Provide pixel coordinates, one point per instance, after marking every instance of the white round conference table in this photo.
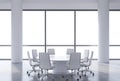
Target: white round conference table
(60, 63)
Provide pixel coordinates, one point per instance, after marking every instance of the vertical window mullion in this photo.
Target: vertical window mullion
(75, 31)
(45, 31)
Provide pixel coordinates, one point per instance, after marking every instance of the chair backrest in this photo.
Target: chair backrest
(51, 51)
(44, 59)
(85, 55)
(69, 51)
(74, 62)
(34, 55)
(29, 58)
(90, 59)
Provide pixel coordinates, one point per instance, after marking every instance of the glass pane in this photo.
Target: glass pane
(5, 52)
(60, 50)
(86, 28)
(114, 52)
(25, 49)
(60, 27)
(91, 48)
(114, 27)
(33, 27)
(5, 27)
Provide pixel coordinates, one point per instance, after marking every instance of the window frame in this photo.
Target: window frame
(45, 10)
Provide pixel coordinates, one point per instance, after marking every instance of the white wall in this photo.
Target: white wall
(59, 4)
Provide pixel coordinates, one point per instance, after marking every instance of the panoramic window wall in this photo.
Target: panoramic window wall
(5, 34)
(87, 31)
(53, 29)
(60, 31)
(33, 31)
(114, 34)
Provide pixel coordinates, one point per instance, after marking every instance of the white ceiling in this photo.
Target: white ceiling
(59, 4)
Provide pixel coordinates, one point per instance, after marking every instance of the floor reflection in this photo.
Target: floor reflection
(103, 72)
(16, 71)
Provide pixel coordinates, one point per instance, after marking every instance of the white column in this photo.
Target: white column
(16, 7)
(103, 16)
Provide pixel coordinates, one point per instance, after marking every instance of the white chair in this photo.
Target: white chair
(69, 51)
(35, 55)
(51, 51)
(85, 56)
(45, 64)
(87, 64)
(33, 64)
(74, 62)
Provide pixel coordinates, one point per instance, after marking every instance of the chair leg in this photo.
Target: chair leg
(28, 72)
(88, 70)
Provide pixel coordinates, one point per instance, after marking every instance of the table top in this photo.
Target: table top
(59, 58)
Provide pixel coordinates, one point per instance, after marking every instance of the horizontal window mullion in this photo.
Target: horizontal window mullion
(5, 45)
(114, 45)
(86, 45)
(59, 45)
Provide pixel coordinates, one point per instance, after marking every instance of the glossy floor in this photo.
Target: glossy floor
(17, 72)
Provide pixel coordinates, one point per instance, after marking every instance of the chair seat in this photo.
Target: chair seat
(35, 64)
(84, 64)
(49, 68)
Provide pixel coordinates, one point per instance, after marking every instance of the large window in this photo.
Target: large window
(33, 31)
(114, 52)
(87, 31)
(33, 27)
(114, 34)
(60, 27)
(114, 27)
(5, 28)
(5, 34)
(59, 30)
(55, 29)
(87, 28)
